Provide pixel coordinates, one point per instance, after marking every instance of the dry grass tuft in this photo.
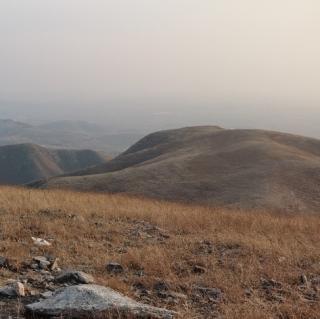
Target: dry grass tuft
(241, 252)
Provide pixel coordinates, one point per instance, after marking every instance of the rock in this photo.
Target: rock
(40, 242)
(304, 280)
(4, 262)
(214, 294)
(46, 294)
(163, 291)
(42, 262)
(114, 268)
(84, 300)
(34, 266)
(198, 269)
(13, 290)
(270, 284)
(273, 289)
(316, 281)
(161, 286)
(140, 289)
(54, 265)
(248, 292)
(74, 277)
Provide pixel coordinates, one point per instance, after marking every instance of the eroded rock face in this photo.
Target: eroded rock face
(83, 301)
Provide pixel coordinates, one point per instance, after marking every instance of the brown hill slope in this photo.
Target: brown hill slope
(23, 163)
(210, 165)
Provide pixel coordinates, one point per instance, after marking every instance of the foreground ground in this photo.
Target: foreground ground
(254, 264)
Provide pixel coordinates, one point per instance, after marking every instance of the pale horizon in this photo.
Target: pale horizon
(158, 64)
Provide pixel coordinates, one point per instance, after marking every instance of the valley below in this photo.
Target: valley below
(195, 261)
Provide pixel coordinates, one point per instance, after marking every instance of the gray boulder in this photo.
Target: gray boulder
(74, 277)
(86, 301)
(42, 262)
(12, 290)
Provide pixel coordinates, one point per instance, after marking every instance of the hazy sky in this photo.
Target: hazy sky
(154, 63)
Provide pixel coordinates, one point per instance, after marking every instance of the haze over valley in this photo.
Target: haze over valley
(68, 135)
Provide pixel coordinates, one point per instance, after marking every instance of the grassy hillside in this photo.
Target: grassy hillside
(210, 165)
(265, 266)
(23, 163)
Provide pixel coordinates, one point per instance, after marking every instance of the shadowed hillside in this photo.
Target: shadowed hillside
(23, 163)
(210, 165)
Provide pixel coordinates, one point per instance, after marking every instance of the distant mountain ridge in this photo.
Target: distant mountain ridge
(66, 134)
(24, 163)
(8, 127)
(215, 166)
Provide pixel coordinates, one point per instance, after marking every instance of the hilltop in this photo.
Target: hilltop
(24, 163)
(215, 166)
(201, 262)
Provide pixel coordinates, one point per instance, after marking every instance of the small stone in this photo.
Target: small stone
(316, 281)
(211, 293)
(270, 283)
(198, 269)
(34, 266)
(141, 289)
(54, 265)
(4, 262)
(74, 277)
(304, 280)
(42, 262)
(114, 268)
(161, 286)
(248, 292)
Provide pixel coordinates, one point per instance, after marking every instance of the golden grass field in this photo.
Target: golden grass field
(241, 252)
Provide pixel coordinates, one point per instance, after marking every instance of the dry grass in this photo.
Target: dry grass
(238, 249)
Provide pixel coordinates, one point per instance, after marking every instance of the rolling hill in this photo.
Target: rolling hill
(211, 165)
(24, 163)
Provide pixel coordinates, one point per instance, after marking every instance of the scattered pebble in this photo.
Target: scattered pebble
(115, 268)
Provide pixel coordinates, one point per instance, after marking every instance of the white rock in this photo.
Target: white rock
(40, 242)
(84, 300)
